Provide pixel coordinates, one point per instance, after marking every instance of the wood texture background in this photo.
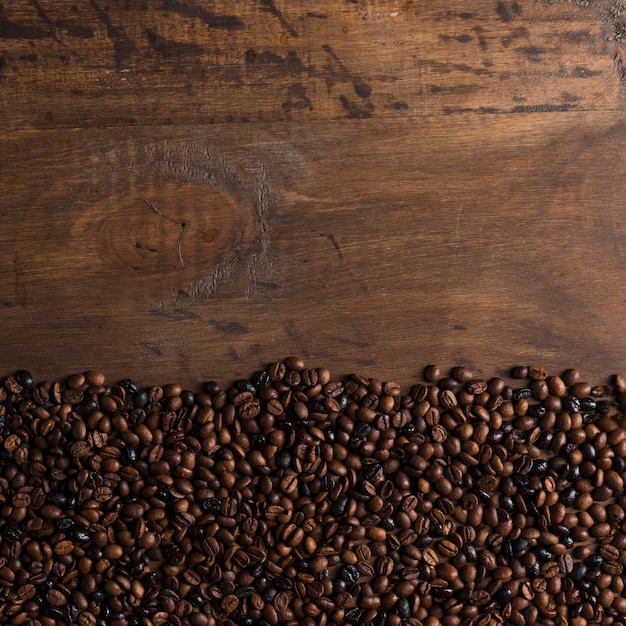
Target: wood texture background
(192, 189)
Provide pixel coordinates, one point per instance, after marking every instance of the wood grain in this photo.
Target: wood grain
(191, 190)
(173, 62)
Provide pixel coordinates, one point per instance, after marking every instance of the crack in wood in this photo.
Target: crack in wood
(181, 225)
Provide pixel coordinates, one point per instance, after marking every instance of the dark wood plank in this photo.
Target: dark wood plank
(192, 189)
(96, 63)
(476, 239)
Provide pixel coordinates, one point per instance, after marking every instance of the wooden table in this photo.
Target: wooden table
(193, 189)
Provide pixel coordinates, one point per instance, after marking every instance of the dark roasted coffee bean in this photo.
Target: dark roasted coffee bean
(575, 609)
(80, 535)
(350, 573)
(594, 561)
(329, 435)
(131, 454)
(423, 541)
(244, 592)
(260, 379)
(539, 467)
(282, 583)
(64, 524)
(374, 472)
(588, 451)
(571, 404)
(56, 497)
(129, 385)
(404, 608)
(212, 387)
(283, 459)
(269, 594)
(536, 410)
(245, 385)
(353, 616)
(522, 394)
(568, 496)
(619, 464)
(24, 378)
(587, 404)
(140, 399)
(340, 506)
(213, 505)
(361, 431)
(602, 407)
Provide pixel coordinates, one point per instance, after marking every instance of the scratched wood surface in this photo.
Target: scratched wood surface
(191, 189)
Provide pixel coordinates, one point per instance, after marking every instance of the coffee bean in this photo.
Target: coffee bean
(365, 569)
(580, 389)
(350, 574)
(549, 569)
(461, 374)
(432, 373)
(86, 619)
(313, 497)
(447, 548)
(609, 552)
(289, 483)
(55, 597)
(522, 394)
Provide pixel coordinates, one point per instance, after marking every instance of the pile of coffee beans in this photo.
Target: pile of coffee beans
(292, 498)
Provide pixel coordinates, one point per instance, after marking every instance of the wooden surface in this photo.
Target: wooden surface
(191, 189)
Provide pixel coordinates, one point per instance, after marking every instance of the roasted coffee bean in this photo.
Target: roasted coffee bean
(350, 573)
(361, 431)
(571, 404)
(432, 373)
(522, 394)
(293, 497)
(404, 608)
(374, 472)
(340, 506)
(609, 552)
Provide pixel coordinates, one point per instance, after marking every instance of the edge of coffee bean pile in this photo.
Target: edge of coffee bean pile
(294, 498)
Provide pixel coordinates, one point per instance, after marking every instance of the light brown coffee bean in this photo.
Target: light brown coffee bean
(63, 547)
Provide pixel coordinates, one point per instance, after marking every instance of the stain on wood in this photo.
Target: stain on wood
(193, 189)
(230, 62)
